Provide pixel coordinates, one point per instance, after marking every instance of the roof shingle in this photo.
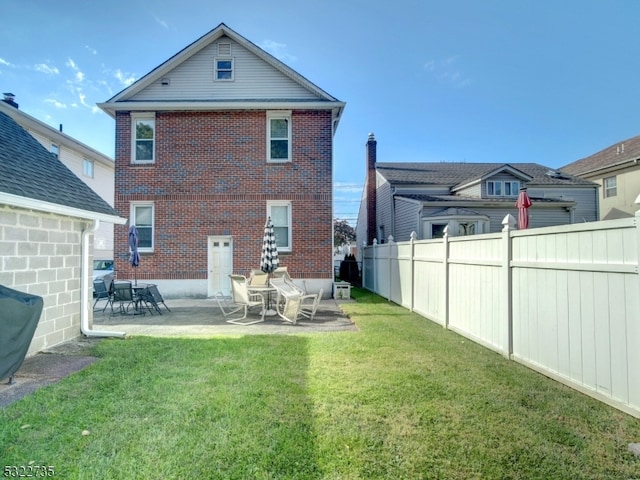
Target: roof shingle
(30, 171)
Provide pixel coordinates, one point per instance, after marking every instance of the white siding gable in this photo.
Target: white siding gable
(254, 79)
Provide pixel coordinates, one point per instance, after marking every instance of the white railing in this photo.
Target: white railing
(564, 300)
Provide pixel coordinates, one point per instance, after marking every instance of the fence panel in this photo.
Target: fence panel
(474, 295)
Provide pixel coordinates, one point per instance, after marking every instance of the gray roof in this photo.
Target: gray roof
(29, 170)
(456, 174)
(617, 154)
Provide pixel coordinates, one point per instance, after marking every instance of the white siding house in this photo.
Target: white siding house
(92, 167)
(468, 198)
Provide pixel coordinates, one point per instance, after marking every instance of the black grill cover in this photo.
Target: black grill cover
(19, 316)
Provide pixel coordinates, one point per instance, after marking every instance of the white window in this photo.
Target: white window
(280, 213)
(87, 168)
(223, 69)
(499, 188)
(610, 187)
(279, 136)
(142, 216)
(143, 138)
(55, 149)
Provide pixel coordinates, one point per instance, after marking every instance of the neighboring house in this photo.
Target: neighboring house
(616, 169)
(91, 166)
(47, 219)
(208, 145)
(470, 198)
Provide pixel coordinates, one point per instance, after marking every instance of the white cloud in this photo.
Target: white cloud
(447, 72)
(5, 63)
(162, 23)
(278, 50)
(91, 50)
(44, 68)
(125, 79)
(55, 103)
(79, 75)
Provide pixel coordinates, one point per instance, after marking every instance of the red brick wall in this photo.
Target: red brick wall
(211, 178)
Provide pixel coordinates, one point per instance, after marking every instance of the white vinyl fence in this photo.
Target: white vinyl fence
(564, 301)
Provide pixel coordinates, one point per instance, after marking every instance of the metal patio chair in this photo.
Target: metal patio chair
(241, 300)
(101, 292)
(152, 298)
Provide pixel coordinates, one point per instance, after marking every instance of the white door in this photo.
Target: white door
(220, 265)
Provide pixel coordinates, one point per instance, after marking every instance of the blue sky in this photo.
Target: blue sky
(458, 80)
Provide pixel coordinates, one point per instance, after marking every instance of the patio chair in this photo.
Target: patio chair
(282, 272)
(101, 292)
(152, 298)
(309, 304)
(124, 297)
(241, 300)
(258, 278)
(288, 301)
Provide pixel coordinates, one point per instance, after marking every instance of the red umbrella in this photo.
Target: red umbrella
(523, 203)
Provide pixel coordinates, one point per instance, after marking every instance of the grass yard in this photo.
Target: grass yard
(401, 399)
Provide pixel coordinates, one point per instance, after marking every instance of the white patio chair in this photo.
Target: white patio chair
(241, 300)
(288, 300)
(309, 304)
(258, 278)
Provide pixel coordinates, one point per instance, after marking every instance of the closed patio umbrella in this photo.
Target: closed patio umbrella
(269, 260)
(522, 204)
(134, 259)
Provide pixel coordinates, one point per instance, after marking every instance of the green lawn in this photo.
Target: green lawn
(401, 399)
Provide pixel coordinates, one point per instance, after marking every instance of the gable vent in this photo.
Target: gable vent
(224, 49)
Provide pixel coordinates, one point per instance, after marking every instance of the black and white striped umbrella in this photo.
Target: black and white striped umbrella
(269, 259)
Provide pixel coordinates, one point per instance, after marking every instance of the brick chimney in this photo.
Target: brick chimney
(9, 98)
(371, 189)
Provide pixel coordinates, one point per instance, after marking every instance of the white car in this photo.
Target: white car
(103, 270)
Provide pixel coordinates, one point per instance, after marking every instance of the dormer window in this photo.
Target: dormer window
(502, 188)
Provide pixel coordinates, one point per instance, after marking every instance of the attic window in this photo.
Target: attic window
(223, 69)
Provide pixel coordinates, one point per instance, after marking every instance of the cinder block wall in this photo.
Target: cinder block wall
(211, 178)
(40, 255)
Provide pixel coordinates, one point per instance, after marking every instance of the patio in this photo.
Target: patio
(201, 317)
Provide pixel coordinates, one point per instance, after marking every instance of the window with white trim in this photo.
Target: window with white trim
(610, 187)
(87, 167)
(223, 69)
(55, 149)
(279, 136)
(500, 188)
(280, 213)
(142, 216)
(143, 138)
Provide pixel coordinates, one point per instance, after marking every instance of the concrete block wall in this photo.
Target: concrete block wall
(40, 254)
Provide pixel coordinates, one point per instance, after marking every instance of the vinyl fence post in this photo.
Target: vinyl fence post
(509, 223)
(390, 275)
(412, 239)
(374, 269)
(364, 265)
(445, 277)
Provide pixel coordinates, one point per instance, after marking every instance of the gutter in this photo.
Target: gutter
(84, 288)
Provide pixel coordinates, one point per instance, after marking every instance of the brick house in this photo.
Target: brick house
(47, 220)
(208, 145)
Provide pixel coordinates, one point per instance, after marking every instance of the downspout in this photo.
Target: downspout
(84, 288)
